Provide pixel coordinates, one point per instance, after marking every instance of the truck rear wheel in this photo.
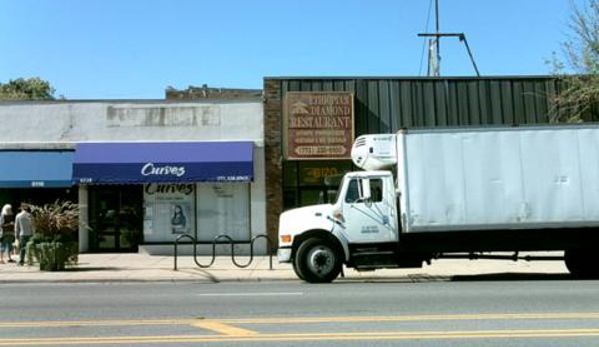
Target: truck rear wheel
(317, 261)
(581, 263)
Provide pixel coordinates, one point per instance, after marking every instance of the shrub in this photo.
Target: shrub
(54, 243)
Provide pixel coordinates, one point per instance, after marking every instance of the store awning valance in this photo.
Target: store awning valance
(163, 162)
(36, 169)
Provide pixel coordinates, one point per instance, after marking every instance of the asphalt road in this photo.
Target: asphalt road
(466, 313)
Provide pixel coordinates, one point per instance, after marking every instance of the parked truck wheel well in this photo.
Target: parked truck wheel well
(581, 263)
(321, 234)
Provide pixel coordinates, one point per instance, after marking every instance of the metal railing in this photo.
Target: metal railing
(229, 240)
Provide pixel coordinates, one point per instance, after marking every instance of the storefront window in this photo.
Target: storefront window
(289, 174)
(169, 211)
(312, 196)
(289, 198)
(223, 209)
(315, 173)
(203, 210)
(312, 182)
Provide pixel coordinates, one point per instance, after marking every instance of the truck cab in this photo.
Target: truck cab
(318, 239)
(360, 228)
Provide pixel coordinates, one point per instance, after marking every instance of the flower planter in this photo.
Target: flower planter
(54, 243)
(56, 256)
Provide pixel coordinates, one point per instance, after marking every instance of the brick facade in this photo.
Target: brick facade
(205, 92)
(273, 155)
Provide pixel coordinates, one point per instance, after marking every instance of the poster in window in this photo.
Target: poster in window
(169, 211)
(180, 222)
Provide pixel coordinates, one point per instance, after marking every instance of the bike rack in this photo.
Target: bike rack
(230, 241)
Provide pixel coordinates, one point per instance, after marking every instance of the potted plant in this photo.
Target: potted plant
(54, 244)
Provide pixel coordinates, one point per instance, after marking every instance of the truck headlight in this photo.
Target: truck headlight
(285, 238)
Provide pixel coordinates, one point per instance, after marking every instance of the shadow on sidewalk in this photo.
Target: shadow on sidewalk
(97, 268)
(512, 276)
(493, 277)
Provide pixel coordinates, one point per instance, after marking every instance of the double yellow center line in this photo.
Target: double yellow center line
(309, 320)
(226, 330)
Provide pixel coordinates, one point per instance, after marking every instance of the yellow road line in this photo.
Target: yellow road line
(414, 318)
(430, 335)
(310, 320)
(117, 322)
(222, 328)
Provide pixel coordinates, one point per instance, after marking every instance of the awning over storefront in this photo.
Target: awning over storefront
(167, 162)
(36, 169)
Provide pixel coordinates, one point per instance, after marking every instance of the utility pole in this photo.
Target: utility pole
(434, 52)
(434, 47)
(437, 70)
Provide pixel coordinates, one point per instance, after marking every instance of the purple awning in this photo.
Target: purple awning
(168, 162)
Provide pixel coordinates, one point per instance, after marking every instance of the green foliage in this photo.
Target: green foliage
(54, 244)
(58, 221)
(27, 89)
(579, 98)
(53, 256)
(578, 101)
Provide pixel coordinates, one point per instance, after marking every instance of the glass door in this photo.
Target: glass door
(115, 218)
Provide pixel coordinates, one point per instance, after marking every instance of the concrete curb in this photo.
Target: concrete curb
(485, 277)
(143, 268)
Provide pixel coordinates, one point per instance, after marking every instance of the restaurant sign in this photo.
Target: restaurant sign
(318, 125)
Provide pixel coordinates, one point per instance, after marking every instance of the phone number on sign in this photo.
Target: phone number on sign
(233, 178)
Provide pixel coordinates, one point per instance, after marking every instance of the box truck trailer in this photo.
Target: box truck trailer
(463, 193)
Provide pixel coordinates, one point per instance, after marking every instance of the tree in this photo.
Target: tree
(27, 89)
(578, 98)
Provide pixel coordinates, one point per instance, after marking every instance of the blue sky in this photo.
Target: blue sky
(134, 49)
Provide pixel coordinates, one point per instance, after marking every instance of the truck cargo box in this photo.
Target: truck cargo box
(498, 178)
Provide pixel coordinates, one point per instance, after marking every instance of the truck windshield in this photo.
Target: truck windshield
(352, 195)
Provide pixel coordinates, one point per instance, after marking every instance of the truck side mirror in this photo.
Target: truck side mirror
(364, 189)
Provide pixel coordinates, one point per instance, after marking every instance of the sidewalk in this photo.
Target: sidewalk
(127, 267)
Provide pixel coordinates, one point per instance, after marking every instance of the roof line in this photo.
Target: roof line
(507, 77)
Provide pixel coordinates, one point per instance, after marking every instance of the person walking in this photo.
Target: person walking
(7, 235)
(24, 229)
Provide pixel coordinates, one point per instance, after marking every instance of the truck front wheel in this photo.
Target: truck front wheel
(317, 261)
(297, 271)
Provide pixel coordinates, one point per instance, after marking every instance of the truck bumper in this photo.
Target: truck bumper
(284, 255)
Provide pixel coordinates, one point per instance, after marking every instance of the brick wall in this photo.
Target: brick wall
(205, 92)
(272, 152)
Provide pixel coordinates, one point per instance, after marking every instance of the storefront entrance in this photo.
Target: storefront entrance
(155, 192)
(116, 219)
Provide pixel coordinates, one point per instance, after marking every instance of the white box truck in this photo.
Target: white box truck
(462, 193)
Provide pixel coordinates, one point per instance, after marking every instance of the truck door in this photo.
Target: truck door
(373, 219)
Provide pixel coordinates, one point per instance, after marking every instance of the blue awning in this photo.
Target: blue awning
(36, 169)
(164, 162)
